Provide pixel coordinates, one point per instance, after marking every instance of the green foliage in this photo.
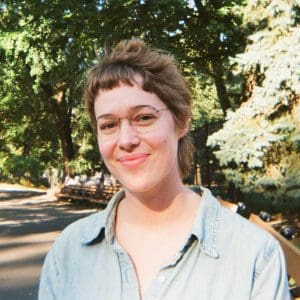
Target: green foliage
(258, 146)
(200, 34)
(87, 159)
(206, 107)
(46, 52)
(17, 167)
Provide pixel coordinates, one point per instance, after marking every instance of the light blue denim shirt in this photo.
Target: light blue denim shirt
(225, 257)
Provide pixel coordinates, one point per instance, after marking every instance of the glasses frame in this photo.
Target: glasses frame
(130, 120)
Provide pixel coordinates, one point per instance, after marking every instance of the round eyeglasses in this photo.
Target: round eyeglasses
(142, 118)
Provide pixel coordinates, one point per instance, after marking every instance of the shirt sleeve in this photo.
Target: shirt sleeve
(270, 279)
(49, 278)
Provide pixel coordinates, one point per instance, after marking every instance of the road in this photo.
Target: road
(30, 220)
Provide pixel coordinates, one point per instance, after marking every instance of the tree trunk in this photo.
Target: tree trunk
(63, 120)
(220, 86)
(207, 158)
(64, 130)
(214, 55)
(248, 86)
(197, 176)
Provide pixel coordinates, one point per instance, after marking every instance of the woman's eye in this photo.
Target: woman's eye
(144, 119)
(108, 126)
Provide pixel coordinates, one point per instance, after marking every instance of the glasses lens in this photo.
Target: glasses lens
(143, 119)
(108, 125)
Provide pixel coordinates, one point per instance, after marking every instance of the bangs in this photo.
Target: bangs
(113, 75)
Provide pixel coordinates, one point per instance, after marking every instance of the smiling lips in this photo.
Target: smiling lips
(133, 160)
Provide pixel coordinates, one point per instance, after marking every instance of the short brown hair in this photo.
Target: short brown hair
(160, 75)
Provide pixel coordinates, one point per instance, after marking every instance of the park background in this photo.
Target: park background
(241, 59)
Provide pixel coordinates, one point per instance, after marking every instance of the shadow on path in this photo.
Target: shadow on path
(29, 223)
(18, 194)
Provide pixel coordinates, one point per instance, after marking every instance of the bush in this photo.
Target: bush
(19, 168)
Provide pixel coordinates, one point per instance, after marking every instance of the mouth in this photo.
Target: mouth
(133, 160)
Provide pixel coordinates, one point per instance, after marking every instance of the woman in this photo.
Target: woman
(156, 239)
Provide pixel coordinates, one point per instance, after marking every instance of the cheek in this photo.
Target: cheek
(156, 140)
(105, 149)
(164, 141)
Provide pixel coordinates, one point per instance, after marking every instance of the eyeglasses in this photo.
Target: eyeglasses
(142, 118)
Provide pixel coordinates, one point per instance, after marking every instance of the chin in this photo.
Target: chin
(143, 180)
(138, 186)
(140, 183)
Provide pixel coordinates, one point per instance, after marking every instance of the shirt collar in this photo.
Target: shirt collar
(102, 222)
(205, 227)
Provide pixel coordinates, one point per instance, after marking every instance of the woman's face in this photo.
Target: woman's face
(140, 152)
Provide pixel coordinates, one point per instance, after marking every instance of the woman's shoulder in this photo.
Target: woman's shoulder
(90, 229)
(230, 227)
(243, 233)
(82, 230)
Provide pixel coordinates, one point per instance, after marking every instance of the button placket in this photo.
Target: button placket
(166, 274)
(130, 285)
(157, 284)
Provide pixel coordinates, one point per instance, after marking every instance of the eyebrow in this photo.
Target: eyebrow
(131, 109)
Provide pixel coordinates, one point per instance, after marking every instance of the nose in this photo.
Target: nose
(128, 136)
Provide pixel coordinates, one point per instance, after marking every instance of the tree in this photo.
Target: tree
(259, 144)
(201, 34)
(46, 52)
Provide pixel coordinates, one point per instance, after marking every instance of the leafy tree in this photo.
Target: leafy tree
(206, 108)
(46, 50)
(259, 144)
(20, 168)
(201, 34)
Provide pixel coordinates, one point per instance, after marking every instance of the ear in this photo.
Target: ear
(183, 130)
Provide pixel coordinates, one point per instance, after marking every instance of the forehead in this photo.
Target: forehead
(124, 98)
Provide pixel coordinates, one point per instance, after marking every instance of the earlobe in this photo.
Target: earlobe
(182, 132)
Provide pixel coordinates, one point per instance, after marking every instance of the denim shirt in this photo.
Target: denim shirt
(225, 257)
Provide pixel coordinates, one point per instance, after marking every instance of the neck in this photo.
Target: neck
(161, 205)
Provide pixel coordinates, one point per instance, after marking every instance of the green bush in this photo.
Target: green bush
(19, 168)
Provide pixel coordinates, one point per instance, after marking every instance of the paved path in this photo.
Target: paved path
(30, 220)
